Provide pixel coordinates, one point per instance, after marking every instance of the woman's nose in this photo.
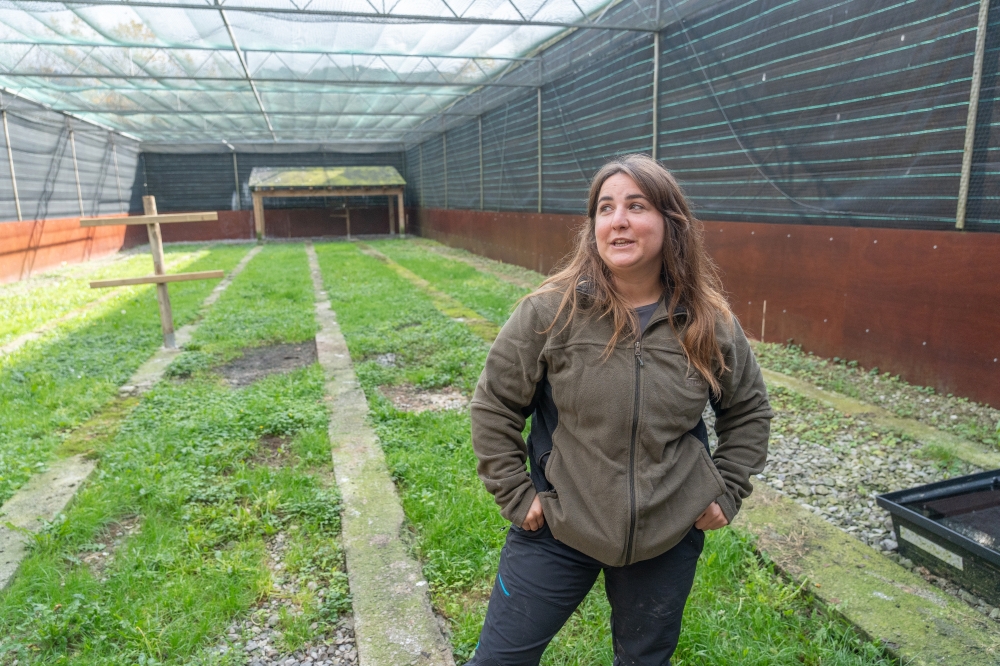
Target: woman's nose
(620, 219)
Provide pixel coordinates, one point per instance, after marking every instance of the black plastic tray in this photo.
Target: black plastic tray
(941, 549)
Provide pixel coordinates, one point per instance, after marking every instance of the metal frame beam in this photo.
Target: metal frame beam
(238, 112)
(172, 47)
(259, 79)
(246, 70)
(358, 17)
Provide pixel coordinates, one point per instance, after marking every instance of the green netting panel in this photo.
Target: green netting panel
(463, 166)
(432, 184)
(591, 115)
(185, 182)
(510, 156)
(847, 113)
(850, 113)
(43, 164)
(413, 175)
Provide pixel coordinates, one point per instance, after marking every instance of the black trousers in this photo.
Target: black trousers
(541, 581)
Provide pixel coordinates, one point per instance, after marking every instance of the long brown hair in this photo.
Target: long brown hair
(689, 276)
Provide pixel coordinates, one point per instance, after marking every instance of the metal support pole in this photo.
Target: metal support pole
(118, 176)
(76, 172)
(481, 199)
(420, 174)
(10, 160)
(970, 123)
(236, 180)
(159, 268)
(539, 150)
(656, 92)
(444, 150)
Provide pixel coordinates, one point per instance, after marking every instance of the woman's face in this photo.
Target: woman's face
(629, 230)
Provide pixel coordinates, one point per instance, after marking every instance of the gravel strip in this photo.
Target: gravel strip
(834, 465)
(970, 420)
(259, 640)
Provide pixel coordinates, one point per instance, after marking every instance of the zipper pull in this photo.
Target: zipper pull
(638, 351)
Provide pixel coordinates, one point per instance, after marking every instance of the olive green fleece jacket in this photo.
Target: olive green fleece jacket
(629, 480)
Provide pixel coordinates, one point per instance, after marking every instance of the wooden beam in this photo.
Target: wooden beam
(148, 219)
(159, 269)
(157, 279)
(401, 226)
(327, 192)
(258, 215)
(391, 216)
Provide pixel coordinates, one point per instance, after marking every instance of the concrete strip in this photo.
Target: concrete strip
(971, 452)
(914, 620)
(444, 303)
(393, 621)
(36, 503)
(151, 372)
(47, 494)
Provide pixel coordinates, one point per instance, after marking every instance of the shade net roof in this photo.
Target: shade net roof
(321, 72)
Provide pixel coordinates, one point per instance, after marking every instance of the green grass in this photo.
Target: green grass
(490, 297)
(53, 385)
(32, 303)
(740, 612)
(183, 462)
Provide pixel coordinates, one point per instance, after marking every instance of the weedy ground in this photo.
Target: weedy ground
(961, 416)
(53, 385)
(740, 610)
(189, 493)
(31, 303)
(170, 541)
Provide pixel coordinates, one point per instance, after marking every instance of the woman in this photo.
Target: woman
(615, 358)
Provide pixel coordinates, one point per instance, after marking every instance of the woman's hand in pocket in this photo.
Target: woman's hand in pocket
(711, 518)
(535, 518)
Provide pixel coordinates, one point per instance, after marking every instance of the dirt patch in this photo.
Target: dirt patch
(272, 451)
(102, 551)
(259, 362)
(412, 399)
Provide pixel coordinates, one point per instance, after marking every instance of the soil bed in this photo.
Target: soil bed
(407, 398)
(259, 362)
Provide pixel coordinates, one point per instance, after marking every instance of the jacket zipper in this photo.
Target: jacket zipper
(631, 451)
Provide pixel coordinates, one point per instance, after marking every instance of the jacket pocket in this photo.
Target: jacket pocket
(707, 459)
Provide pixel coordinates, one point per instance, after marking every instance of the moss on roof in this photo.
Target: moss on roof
(262, 178)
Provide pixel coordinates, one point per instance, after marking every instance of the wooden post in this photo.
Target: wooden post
(162, 295)
(258, 215)
(391, 214)
(347, 217)
(402, 213)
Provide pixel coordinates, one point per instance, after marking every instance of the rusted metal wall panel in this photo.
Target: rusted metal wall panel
(922, 304)
(27, 248)
(534, 240)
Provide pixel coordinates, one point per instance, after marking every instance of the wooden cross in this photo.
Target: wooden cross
(159, 276)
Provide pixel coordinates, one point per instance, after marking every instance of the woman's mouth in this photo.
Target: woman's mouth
(620, 242)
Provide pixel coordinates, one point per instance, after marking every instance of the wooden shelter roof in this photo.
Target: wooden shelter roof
(325, 178)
